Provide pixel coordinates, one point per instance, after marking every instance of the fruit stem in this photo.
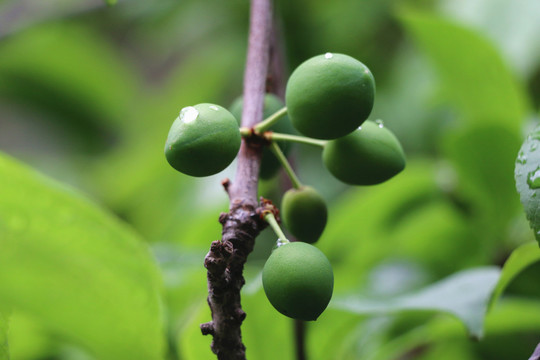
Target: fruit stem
(294, 138)
(271, 220)
(285, 163)
(271, 120)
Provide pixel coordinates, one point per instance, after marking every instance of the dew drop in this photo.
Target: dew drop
(535, 135)
(522, 158)
(359, 128)
(534, 146)
(533, 179)
(379, 123)
(281, 242)
(188, 114)
(328, 55)
(214, 107)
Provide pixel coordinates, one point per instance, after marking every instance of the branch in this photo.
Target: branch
(226, 258)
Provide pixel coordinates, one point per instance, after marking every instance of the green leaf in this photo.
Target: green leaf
(519, 260)
(111, 2)
(473, 74)
(527, 176)
(464, 295)
(76, 269)
(4, 327)
(483, 156)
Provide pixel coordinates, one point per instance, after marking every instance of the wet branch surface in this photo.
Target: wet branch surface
(241, 225)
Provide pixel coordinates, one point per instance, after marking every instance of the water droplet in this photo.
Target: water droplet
(535, 135)
(534, 146)
(189, 114)
(214, 107)
(534, 195)
(533, 179)
(359, 128)
(328, 55)
(379, 123)
(522, 158)
(281, 242)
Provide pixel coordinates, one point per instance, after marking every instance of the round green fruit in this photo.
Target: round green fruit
(269, 163)
(298, 280)
(370, 155)
(304, 212)
(330, 95)
(203, 140)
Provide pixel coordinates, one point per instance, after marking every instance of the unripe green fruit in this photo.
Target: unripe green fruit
(298, 280)
(203, 140)
(330, 95)
(269, 163)
(304, 212)
(368, 156)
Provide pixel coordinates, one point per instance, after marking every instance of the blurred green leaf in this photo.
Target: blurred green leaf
(4, 328)
(519, 260)
(464, 295)
(507, 330)
(111, 2)
(76, 269)
(408, 218)
(28, 339)
(473, 75)
(527, 175)
(67, 73)
(483, 156)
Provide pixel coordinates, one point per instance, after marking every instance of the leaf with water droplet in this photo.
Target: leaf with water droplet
(527, 177)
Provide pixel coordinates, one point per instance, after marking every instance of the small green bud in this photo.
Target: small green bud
(304, 213)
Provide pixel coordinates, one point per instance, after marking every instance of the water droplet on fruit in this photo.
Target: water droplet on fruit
(379, 123)
(533, 179)
(328, 55)
(214, 107)
(281, 242)
(522, 158)
(188, 114)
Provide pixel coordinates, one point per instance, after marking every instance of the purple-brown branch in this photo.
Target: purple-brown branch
(241, 225)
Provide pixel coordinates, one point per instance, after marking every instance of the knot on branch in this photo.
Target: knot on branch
(207, 328)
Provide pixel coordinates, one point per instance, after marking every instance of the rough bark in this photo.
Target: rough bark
(241, 225)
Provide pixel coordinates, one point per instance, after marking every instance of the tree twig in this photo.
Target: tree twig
(226, 258)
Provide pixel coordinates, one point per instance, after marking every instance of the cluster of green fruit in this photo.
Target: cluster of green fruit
(328, 100)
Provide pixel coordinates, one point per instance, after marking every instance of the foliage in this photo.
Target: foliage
(87, 99)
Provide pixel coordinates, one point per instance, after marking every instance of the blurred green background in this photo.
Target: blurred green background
(109, 265)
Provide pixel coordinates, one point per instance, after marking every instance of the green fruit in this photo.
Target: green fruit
(304, 213)
(368, 156)
(203, 140)
(330, 95)
(298, 280)
(269, 163)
